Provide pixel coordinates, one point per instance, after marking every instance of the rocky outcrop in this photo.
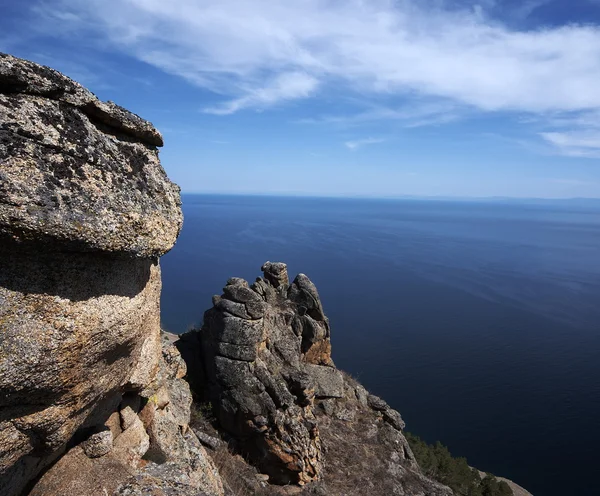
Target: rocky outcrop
(85, 211)
(267, 371)
(78, 173)
(144, 447)
(266, 355)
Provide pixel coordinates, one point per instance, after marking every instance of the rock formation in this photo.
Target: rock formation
(85, 211)
(93, 399)
(266, 368)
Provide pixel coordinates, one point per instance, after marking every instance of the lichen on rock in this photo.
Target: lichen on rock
(86, 209)
(262, 374)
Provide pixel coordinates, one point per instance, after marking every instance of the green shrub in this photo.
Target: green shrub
(438, 463)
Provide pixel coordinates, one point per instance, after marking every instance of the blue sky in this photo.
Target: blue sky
(332, 97)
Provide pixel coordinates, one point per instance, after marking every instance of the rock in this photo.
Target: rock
(304, 293)
(128, 409)
(329, 381)
(78, 173)
(172, 479)
(275, 390)
(77, 474)
(394, 418)
(114, 424)
(132, 444)
(376, 403)
(98, 444)
(207, 440)
(128, 417)
(254, 345)
(85, 210)
(276, 274)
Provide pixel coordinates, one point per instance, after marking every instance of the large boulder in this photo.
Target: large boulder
(85, 211)
(77, 173)
(144, 447)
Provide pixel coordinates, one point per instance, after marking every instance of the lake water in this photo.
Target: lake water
(478, 321)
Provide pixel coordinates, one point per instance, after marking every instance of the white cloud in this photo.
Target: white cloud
(354, 145)
(581, 143)
(262, 52)
(287, 86)
(414, 114)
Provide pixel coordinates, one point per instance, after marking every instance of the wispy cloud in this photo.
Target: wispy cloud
(414, 114)
(355, 145)
(252, 50)
(419, 63)
(584, 143)
(287, 86)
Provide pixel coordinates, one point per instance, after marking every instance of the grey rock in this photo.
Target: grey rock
(237, 352)
(256, 309)
(394, 418)
(79, 174)
(329, 381)
(304, 293)
(233, 329)
(207, 440)
(240, 293)
(253, 349)
(233, 308)
(171, 479)
(98, 444)
(276, 274)
(362, 395)
(377, 403)
(237, 281)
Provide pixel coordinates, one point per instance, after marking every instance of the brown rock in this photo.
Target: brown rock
(85, 209)
(132, 444)
(76, 474)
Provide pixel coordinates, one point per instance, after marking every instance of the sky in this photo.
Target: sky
(342, 98)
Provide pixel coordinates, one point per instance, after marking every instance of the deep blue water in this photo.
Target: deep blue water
(478, 321)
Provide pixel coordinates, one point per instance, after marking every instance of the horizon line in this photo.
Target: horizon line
(388, 197)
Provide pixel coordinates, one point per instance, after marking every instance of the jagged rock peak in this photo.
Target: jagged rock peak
(276, 273)
(267, 357)
(77, 173)
(263, 360)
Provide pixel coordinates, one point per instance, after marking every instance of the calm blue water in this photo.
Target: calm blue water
(478, 321)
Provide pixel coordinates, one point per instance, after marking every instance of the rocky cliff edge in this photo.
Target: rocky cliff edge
(91, 400)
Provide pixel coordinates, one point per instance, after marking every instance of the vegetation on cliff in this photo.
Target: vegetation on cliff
(437, 462)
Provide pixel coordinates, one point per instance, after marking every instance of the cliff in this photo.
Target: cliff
(85, 211)
(94, 399)
(263, 361)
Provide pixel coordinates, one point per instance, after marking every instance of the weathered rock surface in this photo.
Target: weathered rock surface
(262, 372)
(154, 451)
(78, 172)
(267, 371)
(85, 210)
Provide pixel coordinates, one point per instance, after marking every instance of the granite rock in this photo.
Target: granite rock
(260, 372)
(77, 173)
(85, 211)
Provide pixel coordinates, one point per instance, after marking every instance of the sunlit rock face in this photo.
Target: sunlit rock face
(85, 211)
